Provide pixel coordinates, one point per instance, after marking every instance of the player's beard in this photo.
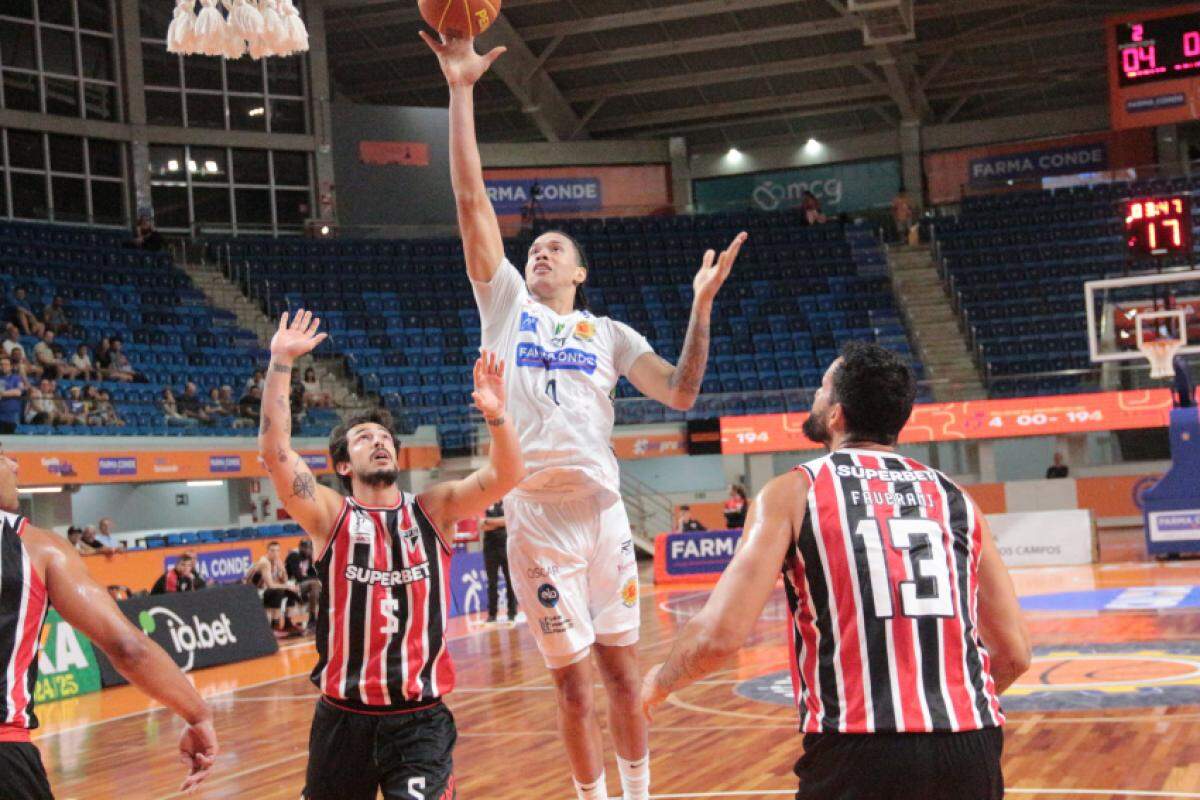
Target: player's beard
(380, 478)
(815, 428)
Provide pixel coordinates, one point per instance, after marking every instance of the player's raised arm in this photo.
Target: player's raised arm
(469, 497)
(87, 607)
(313, 506)
(721, 627)
(678, 386)
(483, 244)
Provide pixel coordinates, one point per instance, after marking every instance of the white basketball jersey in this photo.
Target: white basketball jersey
(560, 374)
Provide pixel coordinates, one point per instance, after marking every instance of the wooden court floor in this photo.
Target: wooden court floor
(1109, 710)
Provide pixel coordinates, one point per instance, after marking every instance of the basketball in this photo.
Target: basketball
(458, 19)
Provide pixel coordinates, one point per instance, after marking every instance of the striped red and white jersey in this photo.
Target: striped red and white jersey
(22, 610)
(381, 627)
(883, 586)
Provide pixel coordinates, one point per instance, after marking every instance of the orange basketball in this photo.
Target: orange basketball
(459, 19)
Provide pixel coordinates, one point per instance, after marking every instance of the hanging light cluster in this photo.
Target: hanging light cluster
(232, 28)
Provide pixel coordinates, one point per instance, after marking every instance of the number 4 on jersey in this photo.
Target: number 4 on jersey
(920, 540)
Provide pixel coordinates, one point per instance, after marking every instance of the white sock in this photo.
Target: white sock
(596, 790)
(635, 777)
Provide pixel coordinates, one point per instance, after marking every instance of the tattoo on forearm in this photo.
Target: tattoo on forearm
(304, 486)
(684, 666)
(266, 425)
(689, 372)
(281, 369)
(281, 454)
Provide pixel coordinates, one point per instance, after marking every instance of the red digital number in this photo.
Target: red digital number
(1191, 44)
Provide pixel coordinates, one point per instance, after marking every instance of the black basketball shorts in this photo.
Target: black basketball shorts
(902, 766)
(22, 776)
(408, 755)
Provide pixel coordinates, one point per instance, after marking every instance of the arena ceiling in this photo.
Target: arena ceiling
(739, 72)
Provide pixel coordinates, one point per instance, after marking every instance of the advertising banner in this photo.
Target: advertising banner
(1044, 538)
(599, 191)
(42, 467)
(689, 557)
(67, 665)
(1032, 164)
(974, 419)
(219, 566)
(838, 188)
(200, 629)
(1173, 527)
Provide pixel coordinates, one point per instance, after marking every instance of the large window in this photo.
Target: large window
(63, 178)
(201, 92)
(59, 57)
(230, 189)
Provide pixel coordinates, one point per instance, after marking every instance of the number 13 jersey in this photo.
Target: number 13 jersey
(882, 584)
(381, 625)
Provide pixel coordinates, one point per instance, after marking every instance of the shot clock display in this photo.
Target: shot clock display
(1158, 49)
(1158, 226)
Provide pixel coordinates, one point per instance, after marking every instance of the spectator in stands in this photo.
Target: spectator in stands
(89, 545)
(47, 407)
(103, 410)
(12, 339)
(12, 396)
(51, 364)
(314, 395)
(20, 314)
(181, 577)
(229, 405)
(810, 209)
(80, 405)
(302, 571)
(119, 367)
(212, 405)
(735, 507)
(74, 534)
(103, 359)
(105, 535)
(249, 407)
(188, 404)
(170, 409)
(146, 236)
(269, 574)
(296, 400)
(902, 215)
(82, 363)
(259, 379)
(54, 316)
(23, 366)
(1058, 469)
(686, 523)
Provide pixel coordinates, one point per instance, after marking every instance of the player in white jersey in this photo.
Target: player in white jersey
(569, 543)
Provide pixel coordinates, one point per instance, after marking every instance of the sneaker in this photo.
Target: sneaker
(491, 620)
(518, 619)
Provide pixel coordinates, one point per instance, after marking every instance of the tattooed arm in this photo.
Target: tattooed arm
(721, 627)
(313, 506)
(678, 386)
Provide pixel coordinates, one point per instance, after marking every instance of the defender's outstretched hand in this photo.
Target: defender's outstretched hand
(715, 270)
(198, 749)
(461, 65)
(298, 337)
(489, 385)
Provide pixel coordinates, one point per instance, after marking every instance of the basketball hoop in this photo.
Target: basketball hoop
(261, 28)
(1160, 353)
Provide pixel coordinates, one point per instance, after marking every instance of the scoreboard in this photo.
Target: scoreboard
(1158, 227)
(1154, 67)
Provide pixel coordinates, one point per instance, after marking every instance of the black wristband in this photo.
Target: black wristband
(495, 422)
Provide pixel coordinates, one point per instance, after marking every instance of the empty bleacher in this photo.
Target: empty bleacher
(1016, 264)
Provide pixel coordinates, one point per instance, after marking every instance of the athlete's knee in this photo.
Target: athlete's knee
(576, 695)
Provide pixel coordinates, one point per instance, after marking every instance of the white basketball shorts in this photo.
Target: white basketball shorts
(575, 574)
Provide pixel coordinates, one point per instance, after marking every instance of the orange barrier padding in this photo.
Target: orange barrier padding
(974, 419)
(139, 569)
(989, 497)
(654, 445)
(1109, 496)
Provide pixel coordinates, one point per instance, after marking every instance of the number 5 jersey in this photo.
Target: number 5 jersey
(882, 582)
(381, 626)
